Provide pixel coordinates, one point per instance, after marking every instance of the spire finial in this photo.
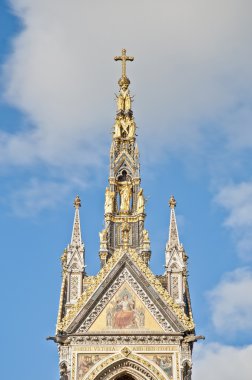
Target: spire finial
(124, 81)
(173, 229)
(76, 234)
(77, 202)
(172, 202)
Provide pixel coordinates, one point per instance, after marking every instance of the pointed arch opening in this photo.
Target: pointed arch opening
(126, 368)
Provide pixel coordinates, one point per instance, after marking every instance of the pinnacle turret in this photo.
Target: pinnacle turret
(175, 259)
(73, 260)
(173, 239)
(76, 239)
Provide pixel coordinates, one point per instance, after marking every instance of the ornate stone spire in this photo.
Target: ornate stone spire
(173, 229)
(73, 260)
(175, 259)
(124, 198)
(76, 239)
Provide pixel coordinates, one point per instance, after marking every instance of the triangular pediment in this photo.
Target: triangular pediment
(175, 260)
(127, 312)
(124, 161)
(75, 261)
(93, 300)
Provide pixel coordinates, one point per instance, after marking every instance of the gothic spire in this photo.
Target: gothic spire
(73, 261)
(173, 239)
(76, 239)
(175, 259)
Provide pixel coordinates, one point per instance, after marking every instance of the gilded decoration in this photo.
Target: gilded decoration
(125, 189)
(140, 202)
(124, 58)
(109, 201)
(139, 364)
(96, 281)
(115, 343)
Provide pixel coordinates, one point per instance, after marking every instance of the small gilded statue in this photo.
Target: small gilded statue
(103, 236)
(124, 99)
(131, 127)
(146, 236)
(117, 128)
(140, 202)
(109, 201)
(124, 127)
(125, 193)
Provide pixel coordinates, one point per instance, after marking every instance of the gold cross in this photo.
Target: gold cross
(124, 58)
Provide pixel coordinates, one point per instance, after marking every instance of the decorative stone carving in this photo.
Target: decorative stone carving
(64, 354)
(141, 367)
(175, 287)
(74, 284)
(119, 340)
(124, 276)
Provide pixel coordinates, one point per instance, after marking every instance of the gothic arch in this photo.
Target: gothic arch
(124, 376)
(133, 366)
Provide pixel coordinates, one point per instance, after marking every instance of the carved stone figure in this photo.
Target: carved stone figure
(103, 240)
(187, 372)
(109, 201)
(131, 127)
(125, 193)
(124, 100)
(146, 235)
(124, 126)
(117, 129)
(140, 201)
(188, 375)
(103, 236)
(63, 372)
(125, 233)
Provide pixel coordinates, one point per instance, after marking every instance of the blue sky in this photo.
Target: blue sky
(191, 81)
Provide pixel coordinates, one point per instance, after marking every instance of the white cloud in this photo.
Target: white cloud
(37, 196)
(194, 57)
(216, 361)
(231, 303)
(236, 199)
